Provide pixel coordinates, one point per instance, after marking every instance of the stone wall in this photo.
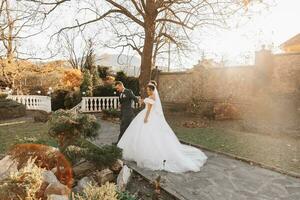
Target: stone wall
(286, 74)
(277, 74)
(217, 84)
(176, 87)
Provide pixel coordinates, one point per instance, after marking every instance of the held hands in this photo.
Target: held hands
(141, 101)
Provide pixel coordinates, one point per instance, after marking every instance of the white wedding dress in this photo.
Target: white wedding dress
(153, 145)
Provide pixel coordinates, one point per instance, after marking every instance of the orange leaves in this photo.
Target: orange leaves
(71, 79)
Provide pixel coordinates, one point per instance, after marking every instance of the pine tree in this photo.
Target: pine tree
(90, 65)
(87, 84)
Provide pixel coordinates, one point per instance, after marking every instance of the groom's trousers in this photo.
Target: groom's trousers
(126, 119)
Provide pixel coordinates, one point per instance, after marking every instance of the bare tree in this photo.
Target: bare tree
(74, 48)
(156, 21)
(142, 24)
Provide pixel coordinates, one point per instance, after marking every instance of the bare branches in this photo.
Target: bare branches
(51, 5)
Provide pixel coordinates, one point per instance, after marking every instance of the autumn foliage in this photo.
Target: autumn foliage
(71, 79)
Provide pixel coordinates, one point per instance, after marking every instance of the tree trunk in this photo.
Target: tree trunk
(146, 62)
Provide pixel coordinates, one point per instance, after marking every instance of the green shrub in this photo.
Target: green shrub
(67, 127)
(10, 109)
(129, 82)
(72, 99)
(111, 113)
(121, 76)
(58, 99)
(103, 72)
(41, 116)
(104, 91)
(125, 196)
(75, 153)
(133, 84)
(104, 156)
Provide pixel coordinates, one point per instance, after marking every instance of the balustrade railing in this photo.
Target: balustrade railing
(33, 102)
(97, 104)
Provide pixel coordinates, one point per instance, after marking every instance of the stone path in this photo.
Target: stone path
(222, 178)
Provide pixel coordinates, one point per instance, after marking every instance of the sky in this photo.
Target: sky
(271, 28)
(236, 46)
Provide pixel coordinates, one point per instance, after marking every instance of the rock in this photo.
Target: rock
(49, 177)
(83, 169)
(117, 166)
(103, 176)
(83, 183)
(57, 188)
(123, 178)
(7, 166)
(57, 197)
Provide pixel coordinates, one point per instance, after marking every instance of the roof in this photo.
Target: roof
(293, 41)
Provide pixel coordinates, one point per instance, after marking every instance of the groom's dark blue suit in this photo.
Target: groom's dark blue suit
(127, 113)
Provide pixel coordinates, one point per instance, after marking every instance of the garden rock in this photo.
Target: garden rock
(117, 166)
(123, 178)
(83, 169)
(57, 197)
(57, 188)
(49, 177)
(7, 166)
(103, 176)
(83, 183)
(54, 170)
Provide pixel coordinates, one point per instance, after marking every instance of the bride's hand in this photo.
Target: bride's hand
(145, 120)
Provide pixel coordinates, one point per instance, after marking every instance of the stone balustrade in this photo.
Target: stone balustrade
(33, 102)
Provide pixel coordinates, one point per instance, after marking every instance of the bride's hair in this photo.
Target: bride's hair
(151, 87)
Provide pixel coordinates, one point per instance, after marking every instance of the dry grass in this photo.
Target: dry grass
(23, 184)
(105, 192)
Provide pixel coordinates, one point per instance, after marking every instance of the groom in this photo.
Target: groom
(127, 113)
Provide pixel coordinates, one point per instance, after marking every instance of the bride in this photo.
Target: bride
(151, 143)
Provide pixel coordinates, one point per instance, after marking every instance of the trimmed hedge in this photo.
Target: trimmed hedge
(10, 109)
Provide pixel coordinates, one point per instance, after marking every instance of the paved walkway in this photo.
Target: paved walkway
(222, 178)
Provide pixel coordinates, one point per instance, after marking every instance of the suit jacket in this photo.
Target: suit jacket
(126, 99)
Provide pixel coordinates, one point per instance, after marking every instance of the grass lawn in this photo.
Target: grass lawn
(279, 151)
(10, 134)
